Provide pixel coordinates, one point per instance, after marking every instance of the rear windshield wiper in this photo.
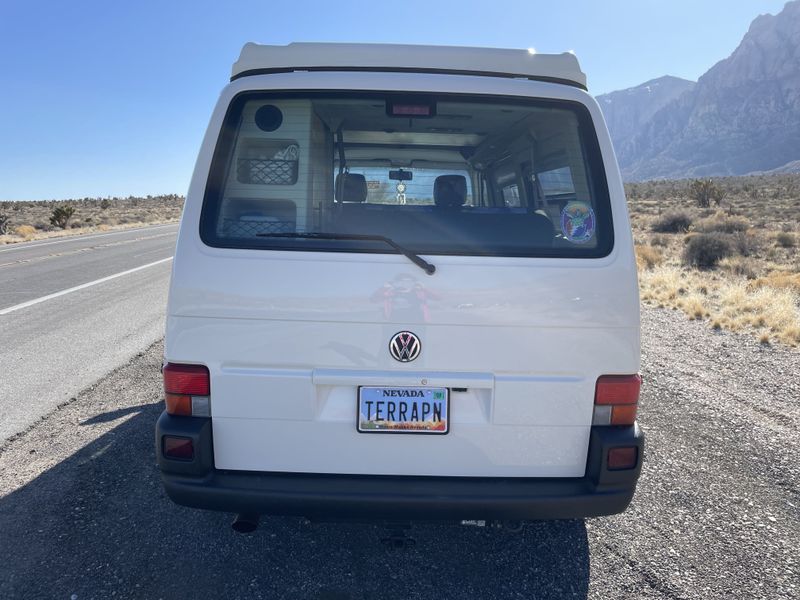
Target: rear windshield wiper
(416, 259)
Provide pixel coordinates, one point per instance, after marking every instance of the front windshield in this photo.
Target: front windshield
(439, 174)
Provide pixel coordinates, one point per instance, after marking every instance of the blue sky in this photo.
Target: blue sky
(112, 98)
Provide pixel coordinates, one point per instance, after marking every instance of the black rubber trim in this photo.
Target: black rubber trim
(198, 429)
(600, 492)
(569, 82)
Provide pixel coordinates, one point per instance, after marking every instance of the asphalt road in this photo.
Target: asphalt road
(716, 514)
(55, 340)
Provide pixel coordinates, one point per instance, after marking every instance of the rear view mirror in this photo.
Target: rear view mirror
(401, 175)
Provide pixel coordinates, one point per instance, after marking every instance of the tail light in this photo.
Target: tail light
(187, 389)
(616, 398)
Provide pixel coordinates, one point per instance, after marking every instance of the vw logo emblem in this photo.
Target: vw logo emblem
(405, 346)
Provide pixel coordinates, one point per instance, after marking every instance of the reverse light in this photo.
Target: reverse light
(616, 399)
(187, 389)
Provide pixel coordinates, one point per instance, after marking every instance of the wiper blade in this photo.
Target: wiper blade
(415, 258)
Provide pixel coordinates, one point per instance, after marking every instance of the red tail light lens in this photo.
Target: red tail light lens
(622, 458)
(178, 447)
(618, 389)
(181, 382)
(190, 380)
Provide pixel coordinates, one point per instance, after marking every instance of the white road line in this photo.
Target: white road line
(83, 286)
(77, 238)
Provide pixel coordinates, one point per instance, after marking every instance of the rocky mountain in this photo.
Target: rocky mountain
(742, 116)
(627, 111)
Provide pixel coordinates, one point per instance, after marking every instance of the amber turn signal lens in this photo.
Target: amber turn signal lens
(624, 414)
(178, 404)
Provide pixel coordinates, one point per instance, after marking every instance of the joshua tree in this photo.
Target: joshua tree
(705, 191)
(4, 221)
(61, 216)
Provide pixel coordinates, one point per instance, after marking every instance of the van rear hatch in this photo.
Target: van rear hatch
(296, 284)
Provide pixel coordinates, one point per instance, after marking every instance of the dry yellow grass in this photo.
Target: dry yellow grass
(648, 257)
(757, 288)
(25, 231)
(779, 281)
(728, 302)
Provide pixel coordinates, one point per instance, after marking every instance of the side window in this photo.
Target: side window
(510, 195)
(556, 182)
(507, 186)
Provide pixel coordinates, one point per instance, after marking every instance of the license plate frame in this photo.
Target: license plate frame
(403, 427)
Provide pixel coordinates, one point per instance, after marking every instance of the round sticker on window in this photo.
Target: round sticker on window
(577, 222)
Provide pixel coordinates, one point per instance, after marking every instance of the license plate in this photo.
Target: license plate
(403, 410)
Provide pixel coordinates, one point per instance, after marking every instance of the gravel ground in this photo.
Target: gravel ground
(82, 513)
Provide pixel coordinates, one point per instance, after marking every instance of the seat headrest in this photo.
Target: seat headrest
(450, 191)
(351, 188)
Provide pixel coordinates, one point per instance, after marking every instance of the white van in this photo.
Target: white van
(404, 287)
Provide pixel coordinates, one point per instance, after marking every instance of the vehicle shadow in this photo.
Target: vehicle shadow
(99, 523)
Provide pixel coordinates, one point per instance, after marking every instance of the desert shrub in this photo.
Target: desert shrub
(5, 224)
(745, 243)
(76, 225)
(740, 266)
(672, 222)
(719, 222)
(705, 191)
(61, 216)
(104, 203)
(705, 250)
(648, 257)
(659, 240)
(785, 240)
(25, 231)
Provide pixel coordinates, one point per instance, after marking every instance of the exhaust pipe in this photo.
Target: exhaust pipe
(245, 523)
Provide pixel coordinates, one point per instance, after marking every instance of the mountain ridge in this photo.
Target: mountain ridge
(742, 115)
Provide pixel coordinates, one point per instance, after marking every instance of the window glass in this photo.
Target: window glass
(557, 181)
(416, 191)
(342, 164)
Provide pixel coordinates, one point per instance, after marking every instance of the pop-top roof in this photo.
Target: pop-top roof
(257, 59)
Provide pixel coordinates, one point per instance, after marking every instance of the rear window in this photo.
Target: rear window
(439, 174)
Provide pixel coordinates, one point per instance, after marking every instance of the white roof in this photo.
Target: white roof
(258, 58)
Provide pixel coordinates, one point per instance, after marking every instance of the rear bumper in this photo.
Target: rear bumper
(198, 484)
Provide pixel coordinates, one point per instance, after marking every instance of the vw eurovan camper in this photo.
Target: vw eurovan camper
(404, 287)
